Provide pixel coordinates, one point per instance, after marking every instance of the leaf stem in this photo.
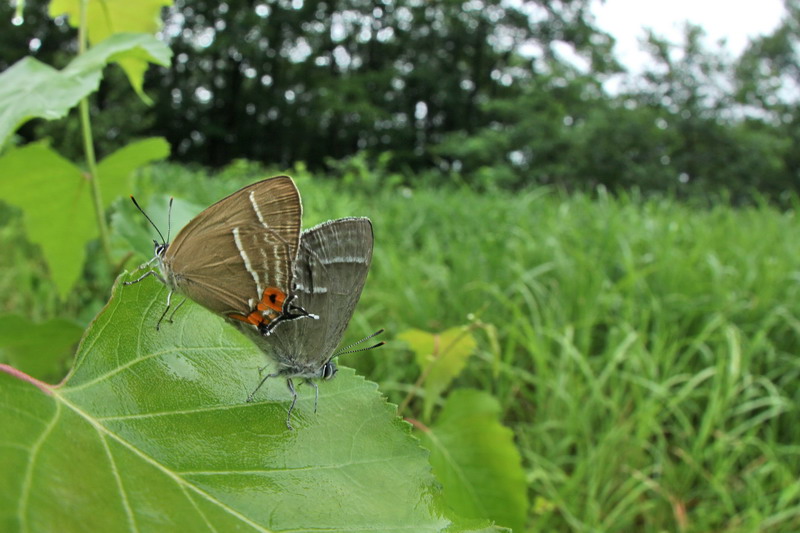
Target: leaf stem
(88, 145)
(19, 11)
(19, 374)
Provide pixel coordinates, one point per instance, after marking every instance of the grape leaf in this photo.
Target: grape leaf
(31, 89)
(475, 458)
(115, 170)
(108, 18)
(57, 208)
(56, 203)
(150, 432)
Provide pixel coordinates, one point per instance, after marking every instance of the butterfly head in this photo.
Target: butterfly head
(160, 248)
(329, 370)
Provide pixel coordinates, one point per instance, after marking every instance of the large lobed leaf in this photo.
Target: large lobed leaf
(56, 204)
(109, 18)
(31, 89)
(116, 169)
(150, 432)
(54, 197)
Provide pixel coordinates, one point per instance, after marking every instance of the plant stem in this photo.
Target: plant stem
(19, 11)
(88, 147)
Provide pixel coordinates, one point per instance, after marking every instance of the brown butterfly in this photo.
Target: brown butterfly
(236, 257)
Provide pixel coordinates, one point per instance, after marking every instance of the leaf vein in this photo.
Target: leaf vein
(309, 468)
(169, 473)
(198, 509)
(141, 359)
(27, 481)
(178, 412)
(122, 494)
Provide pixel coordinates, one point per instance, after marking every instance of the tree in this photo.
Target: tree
(767, 78)
(279, 81)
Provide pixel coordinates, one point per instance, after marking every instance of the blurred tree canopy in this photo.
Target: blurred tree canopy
(283, 81)
(486, 91)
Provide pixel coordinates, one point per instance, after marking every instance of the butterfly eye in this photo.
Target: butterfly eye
(160, 248)
(329, 370)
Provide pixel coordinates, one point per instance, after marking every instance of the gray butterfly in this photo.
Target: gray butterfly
(329, 274)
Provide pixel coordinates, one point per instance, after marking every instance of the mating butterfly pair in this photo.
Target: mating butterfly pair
(292, 293)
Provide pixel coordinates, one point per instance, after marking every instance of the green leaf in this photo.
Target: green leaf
(115, 170)
(38, 349)
(121, 46)
(54, 197)
(31, 89)
(109, 18)
(475, 459)
(56, 202)
(441, 357)
(133, 52)
(476, 526)
(150, 432)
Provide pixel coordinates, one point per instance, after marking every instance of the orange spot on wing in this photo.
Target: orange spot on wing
(272, 299)
(267, 310)
(255, 318)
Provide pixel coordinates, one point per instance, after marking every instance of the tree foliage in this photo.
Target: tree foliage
(494, 94)
(276, 82)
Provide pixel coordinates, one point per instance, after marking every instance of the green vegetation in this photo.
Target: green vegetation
(647, 351)
(150, 432)
(645, 354)
(476, 91)
(591, 299)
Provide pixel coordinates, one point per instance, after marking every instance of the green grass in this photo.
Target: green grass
(646, 355)
(647, 350)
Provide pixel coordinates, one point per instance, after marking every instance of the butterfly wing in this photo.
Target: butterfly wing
(330, 272)
(230, 253)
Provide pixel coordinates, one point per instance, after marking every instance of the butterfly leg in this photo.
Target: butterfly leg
(146, 274)
(252, 394)
(169, 299)
(316, 393)
(290, 385)
(175, 311)
(169, 296)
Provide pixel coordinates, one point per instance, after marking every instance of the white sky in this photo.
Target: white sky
(733, 20)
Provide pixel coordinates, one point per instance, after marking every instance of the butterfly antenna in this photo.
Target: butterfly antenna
(347, 349)
(148, 218)
(169, 218)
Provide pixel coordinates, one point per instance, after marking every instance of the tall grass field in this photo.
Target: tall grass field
(645, 352)
(647, 355)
